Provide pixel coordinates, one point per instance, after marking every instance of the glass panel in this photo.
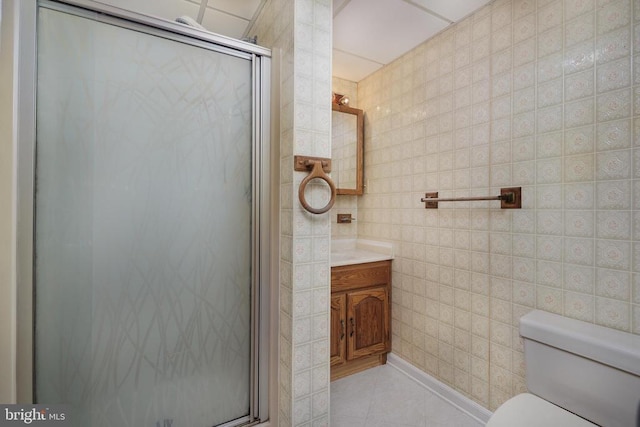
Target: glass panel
(143, 227)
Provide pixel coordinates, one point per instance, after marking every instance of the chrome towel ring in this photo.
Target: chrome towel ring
(318, 166)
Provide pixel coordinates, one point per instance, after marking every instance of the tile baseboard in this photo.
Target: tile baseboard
(457, 399)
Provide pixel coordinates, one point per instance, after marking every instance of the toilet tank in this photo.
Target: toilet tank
(587, 369)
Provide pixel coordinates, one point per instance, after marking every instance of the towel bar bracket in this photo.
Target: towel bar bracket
(511, 198)
(428, 204)
(304, 163)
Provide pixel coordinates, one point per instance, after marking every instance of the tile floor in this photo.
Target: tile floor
(385, 397)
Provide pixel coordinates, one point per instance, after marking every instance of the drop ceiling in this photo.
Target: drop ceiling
(367, 34)
(231, 18)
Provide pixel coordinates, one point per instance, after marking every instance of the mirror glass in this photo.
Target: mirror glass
(347, 148)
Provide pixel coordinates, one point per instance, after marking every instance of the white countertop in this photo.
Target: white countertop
(359, 251)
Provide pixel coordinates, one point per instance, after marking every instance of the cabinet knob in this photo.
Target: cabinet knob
(353, 326)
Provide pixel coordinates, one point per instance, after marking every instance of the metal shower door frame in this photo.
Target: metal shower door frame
(260, 59)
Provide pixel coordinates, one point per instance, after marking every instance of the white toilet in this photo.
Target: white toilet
(578, 374)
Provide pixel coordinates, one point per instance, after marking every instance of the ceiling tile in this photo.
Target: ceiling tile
(383, 30)
(366, 33)
(169, 10)
(222, 23)
(242, 8)
(338, 4)
(352, 68)
(454, 10)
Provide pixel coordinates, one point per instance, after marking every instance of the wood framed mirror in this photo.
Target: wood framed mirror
(347, 149)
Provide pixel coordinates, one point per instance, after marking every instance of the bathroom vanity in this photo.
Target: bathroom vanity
(360, 309)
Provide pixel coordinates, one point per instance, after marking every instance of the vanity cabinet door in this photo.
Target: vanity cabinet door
(368, 322)
(360, 317)
(338, 328)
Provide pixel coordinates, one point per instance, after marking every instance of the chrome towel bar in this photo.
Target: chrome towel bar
(510, 198)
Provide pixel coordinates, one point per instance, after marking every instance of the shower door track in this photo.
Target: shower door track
(155, 26)
(260, 59)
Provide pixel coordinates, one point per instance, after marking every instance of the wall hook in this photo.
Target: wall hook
(318, 166)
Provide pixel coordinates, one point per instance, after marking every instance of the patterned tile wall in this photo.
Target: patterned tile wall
(540, 94)
(302, 29)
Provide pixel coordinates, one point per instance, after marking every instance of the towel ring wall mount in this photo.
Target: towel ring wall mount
(318, 167)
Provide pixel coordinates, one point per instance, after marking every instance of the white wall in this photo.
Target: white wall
(8, 52)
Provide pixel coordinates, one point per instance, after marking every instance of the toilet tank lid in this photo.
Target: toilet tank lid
(609, 346)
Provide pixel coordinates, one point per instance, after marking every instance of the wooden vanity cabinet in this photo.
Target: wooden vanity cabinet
(360, 317)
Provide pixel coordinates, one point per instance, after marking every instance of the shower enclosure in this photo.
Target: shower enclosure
(150, 199)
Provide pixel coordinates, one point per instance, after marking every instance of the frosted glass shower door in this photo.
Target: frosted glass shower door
(143, 234)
